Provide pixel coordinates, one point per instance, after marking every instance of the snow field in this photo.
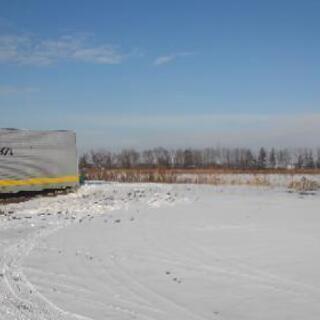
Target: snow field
(139, 251)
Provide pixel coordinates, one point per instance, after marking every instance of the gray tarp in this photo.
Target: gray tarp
(36, 160)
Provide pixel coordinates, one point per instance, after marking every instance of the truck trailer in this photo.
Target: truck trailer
(37, 160)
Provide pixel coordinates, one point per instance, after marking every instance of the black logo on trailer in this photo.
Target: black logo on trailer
(6, 151)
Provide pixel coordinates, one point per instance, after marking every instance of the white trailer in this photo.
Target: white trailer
(37, 160)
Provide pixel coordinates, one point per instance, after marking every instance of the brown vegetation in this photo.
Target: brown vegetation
(212, 176)
(214, 166)
(304, 185)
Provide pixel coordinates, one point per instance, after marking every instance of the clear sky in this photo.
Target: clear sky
(145, 73)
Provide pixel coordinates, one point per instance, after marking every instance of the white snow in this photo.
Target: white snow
(148, 251)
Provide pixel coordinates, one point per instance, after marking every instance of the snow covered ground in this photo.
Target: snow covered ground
(146, 251)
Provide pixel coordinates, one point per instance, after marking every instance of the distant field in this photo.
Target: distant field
(292, 178)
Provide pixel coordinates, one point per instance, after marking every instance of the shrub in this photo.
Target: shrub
(304, 185)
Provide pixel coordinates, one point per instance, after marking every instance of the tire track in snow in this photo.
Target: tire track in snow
(19, 299)
(131, 282)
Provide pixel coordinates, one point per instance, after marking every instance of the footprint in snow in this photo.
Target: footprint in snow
(16, 277)
(175, 279)
(89, 256)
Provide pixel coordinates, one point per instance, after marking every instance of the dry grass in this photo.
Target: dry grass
(211, 176)
(304, 185)
(262, 181)
(135, 172)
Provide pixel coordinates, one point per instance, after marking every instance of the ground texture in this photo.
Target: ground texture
(141, 251)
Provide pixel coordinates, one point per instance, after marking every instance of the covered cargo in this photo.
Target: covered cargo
(37, 160)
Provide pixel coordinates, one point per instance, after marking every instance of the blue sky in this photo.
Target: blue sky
(171, 73)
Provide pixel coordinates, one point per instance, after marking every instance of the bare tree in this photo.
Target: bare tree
(309, 162)
(262, 158)
(243, 158)
(147, 158)
(272, 159)
(178, 158)
(283, 158)
(162, 157)
(188, 158)
(102, 159)
(250, 161)
(128, 158)
(318, 159)
(84, 161)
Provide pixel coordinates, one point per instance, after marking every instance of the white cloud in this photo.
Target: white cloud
(163, 59)
(170, 58)
(29, 50)
(13, 90)
(102, 54)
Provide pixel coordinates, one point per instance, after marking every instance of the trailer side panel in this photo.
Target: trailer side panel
(37, 160)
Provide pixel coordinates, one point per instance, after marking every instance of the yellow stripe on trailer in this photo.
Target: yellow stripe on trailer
(39, 181)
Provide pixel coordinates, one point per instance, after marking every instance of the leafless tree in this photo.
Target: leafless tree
(128, 158)
(243, 158)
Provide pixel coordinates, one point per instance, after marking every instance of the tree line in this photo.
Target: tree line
(236, 158)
